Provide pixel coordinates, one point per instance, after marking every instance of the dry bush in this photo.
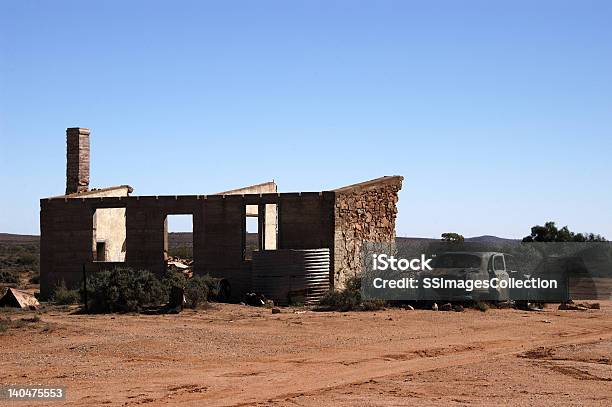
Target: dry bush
(9, 277)
(198, 289)
(64, 296)
(124, 290)
(349, 299)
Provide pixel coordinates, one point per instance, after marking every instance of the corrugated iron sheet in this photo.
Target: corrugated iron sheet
(298, 276)
(20, 299)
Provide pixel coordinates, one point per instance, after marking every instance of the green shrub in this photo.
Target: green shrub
(27, 259)
(200, 289)
(9, 277)
(212, 283)
(173, 279)
(196, 291)
(64, 296)
(182, 252)
(124, 290)
(373, 305)
(340, 300)
(349, 299)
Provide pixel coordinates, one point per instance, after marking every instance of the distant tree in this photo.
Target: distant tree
(550, 233)
(589, 237)
(452, 237)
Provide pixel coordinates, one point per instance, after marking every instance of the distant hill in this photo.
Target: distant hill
(476, 239)
(178, 239)
(10, 238)
(471, 244)
(175, 239)
(491, 239)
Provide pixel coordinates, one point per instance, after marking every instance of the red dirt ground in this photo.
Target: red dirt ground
(232, 355)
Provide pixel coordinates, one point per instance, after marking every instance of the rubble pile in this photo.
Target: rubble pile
(572, 306)
(184, 266)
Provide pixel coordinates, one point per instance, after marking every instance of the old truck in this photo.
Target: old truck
(464, 276)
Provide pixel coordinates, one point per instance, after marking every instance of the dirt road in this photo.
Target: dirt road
(234, 355)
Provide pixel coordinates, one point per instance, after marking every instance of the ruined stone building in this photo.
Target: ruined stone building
(94, 229)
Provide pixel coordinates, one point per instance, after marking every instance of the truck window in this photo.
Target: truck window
(498, 263)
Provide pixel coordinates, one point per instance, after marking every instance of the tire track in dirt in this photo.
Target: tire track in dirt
(371, 370)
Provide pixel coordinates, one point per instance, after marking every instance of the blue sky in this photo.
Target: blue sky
(497, 113)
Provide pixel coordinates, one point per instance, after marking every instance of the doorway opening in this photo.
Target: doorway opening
(178, 238)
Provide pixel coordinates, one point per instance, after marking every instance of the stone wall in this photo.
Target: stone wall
(363, 212)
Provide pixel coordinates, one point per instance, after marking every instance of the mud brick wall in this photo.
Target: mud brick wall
(77, 160)
(218, 242)
(363, 212)
(66, 237)
(306, 221)
(145, 226)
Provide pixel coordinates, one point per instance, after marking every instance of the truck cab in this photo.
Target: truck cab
(471, 266)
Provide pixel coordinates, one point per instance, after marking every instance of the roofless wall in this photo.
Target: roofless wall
(89, 230)
(305, 221)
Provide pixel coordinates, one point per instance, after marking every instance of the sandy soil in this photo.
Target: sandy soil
(234, 355)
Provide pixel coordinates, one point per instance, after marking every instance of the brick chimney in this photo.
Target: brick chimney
(77, 160)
